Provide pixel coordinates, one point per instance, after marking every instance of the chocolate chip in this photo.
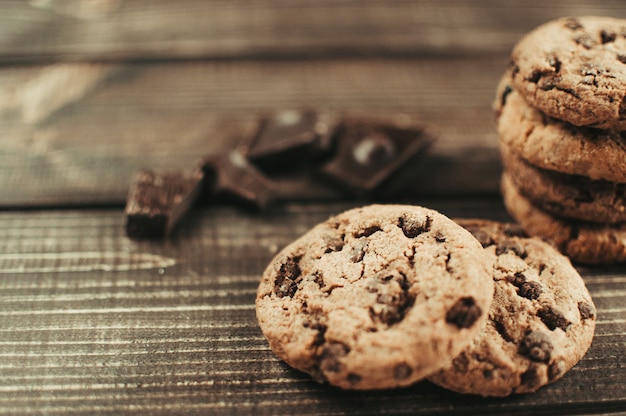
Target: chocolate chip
(514, 246)
(330, 356)
(607, 37)
(354, 378)
(537, 346)
(285, 283)
(549, 82)
(439, 237)
(461, 363)
(573, 24)
(501, 329)
(393, 299)
(622, 108)
(530, 290)
(368, 231)
(518, 279)
(556, 370)
(621, 58)
(585, 41)
(553, 319)
(412, 227)
(402, 372)
(587, 311)
(555, 63)
(358, 250)
(464, 313)
(513, 230)
(531, 378)
(483, 237)
(535, 76)
(505, 93)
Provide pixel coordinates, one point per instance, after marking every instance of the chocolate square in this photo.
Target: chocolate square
(158, 201)
(369, 152)
(289, 138)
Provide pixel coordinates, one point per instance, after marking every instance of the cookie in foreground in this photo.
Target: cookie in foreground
(541, 321)
(375, 297)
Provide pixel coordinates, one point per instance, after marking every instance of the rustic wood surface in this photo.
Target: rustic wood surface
(93, 323)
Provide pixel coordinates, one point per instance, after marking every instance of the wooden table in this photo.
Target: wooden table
(94, 323)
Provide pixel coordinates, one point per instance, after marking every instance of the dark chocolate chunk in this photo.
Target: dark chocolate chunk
(505, 246)
(358, 251)
(158, 201)
(286, 282)
(464, 313)
(368, 152)
(587, 310)
(232, 178)
(368, 231)
(290, 137)
(531, 377)
(530, 290)
(354, 378)
(607, 37)
(517, 279)
(553, 319)
(537, 346)
(556, 369)
(402, 372)
(330, 356)
(393, 299)
(412, 227)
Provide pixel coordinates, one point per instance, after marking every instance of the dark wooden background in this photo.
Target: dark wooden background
(90, 91)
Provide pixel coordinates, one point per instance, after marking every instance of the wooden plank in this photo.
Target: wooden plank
(117, 29)
(93, 323)
(64, 145)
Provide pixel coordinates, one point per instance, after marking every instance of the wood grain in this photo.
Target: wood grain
(178, 335)
(66, 30)
(167, 115)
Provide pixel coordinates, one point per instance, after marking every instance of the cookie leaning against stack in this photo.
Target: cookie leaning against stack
(376, 297)
(385, 295)
(561, 111)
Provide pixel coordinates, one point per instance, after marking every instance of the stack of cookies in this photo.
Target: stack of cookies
(561, 111)
(383, 296)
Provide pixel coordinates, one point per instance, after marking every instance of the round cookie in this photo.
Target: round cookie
(582, 242)
(375, 297)
(541, 321)
(563, 195)
(574, 69)
(551, 144)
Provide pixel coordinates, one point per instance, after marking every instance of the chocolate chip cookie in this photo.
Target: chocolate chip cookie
(376, 297)
(570, 196)
(582, 242)
(574, 69)
(540, 324)
(551, 144)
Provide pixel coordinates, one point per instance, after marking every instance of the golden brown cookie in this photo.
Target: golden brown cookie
(554, 145)
(582, 242)
(540, 324)
(376, 297)
(569, 196)
(574, 69)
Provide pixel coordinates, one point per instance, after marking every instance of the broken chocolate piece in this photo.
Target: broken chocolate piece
(232, 178)
(157, 202)
(290, 137)
(368, 152)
